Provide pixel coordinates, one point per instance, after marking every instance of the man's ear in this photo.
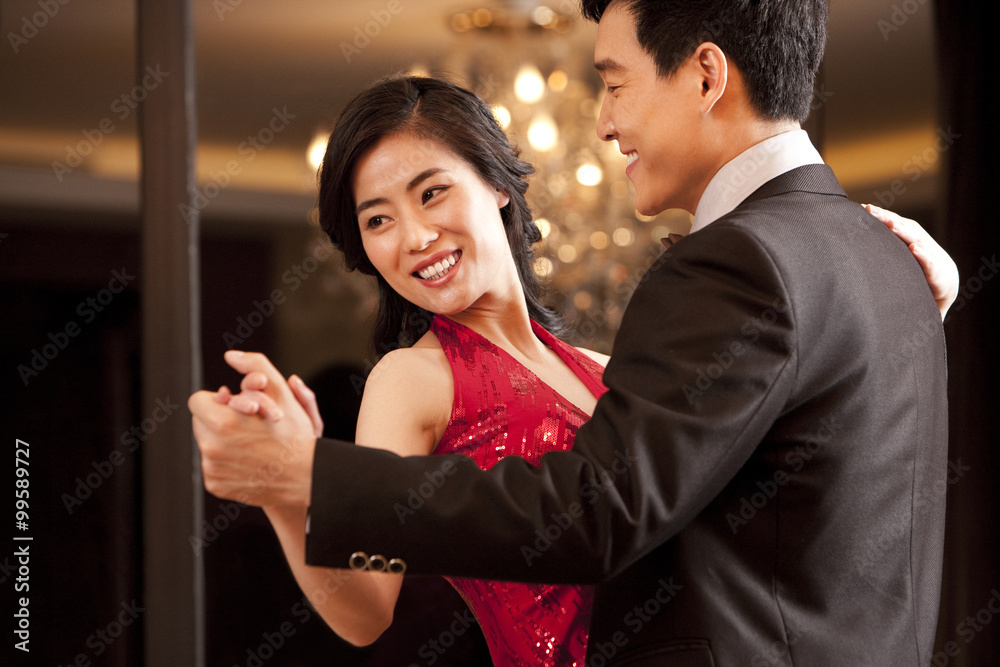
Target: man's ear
(713, 68)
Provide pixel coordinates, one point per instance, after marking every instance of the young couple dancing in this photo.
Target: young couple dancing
(634, 479)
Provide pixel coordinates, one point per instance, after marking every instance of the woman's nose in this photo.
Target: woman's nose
(419, 235)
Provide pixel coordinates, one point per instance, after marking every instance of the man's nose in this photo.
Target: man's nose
(605, 127)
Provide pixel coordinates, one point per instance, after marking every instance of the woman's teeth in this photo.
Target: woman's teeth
(439, 269)
(630, 158)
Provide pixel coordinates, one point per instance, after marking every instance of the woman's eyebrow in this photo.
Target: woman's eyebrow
(423, 176)
(417, 180)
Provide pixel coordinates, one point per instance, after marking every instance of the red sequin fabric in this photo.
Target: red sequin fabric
(501, 409)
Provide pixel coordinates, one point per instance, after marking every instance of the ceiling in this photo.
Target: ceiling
(62, 78)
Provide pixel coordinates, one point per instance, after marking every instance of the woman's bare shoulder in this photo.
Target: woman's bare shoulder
(424, 359)
(407, 400)
(602, 359)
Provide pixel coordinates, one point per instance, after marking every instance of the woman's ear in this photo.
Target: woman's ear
(502, 198)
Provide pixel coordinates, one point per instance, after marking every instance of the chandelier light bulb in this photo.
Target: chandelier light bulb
(544, 227)
(623, 237)
(502, 115)
(558, 80)
(543, 267)
(543, 15)
(529, 86)
(566, 253)
(599, 240)
(589, 174)
(543, 135)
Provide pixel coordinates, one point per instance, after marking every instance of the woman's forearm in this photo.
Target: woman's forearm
(358, 606)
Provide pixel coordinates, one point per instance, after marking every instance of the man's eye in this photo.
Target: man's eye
(612, 89)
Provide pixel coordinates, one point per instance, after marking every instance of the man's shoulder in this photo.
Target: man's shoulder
(790, 217)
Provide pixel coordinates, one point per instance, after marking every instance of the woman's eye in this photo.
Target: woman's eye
(430, 193)
(375, 222)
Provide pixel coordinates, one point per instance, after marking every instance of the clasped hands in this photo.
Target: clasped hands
(257, 446)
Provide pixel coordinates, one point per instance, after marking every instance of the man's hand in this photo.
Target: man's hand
(254, 460)
(939, 268)
(253, 401)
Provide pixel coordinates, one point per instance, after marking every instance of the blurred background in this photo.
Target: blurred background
(903, 111)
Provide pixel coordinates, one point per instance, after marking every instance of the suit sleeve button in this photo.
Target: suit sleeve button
(358, 560)
(377, 563)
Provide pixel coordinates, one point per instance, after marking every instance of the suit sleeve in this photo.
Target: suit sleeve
(702, 366)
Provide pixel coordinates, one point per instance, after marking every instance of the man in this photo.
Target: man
(762, 482)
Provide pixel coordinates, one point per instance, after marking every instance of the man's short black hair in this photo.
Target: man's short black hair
(777, 45)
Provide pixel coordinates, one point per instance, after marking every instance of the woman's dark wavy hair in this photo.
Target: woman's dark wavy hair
(443, 112)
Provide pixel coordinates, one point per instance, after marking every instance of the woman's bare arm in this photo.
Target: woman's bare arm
(406, 404)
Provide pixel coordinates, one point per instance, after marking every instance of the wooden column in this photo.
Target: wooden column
(172, 493)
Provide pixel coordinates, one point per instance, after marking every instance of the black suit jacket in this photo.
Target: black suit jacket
(763, 483)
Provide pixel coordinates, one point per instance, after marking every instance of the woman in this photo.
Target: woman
(421, 188)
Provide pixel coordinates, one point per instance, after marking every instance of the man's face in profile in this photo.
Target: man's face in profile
(656, 120)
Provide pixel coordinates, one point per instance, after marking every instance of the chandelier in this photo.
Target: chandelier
(533, 65)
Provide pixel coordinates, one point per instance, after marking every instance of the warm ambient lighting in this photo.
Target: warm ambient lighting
(317, 149)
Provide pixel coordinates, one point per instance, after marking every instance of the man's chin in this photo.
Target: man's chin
(649, 208)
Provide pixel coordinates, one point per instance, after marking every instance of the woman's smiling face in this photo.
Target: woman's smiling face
(430, 225)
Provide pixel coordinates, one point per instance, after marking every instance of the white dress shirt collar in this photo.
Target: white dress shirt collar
(751, 169)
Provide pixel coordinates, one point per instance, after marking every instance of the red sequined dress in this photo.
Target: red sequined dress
(501, 409)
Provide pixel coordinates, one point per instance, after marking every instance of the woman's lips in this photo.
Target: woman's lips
(439, 268)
